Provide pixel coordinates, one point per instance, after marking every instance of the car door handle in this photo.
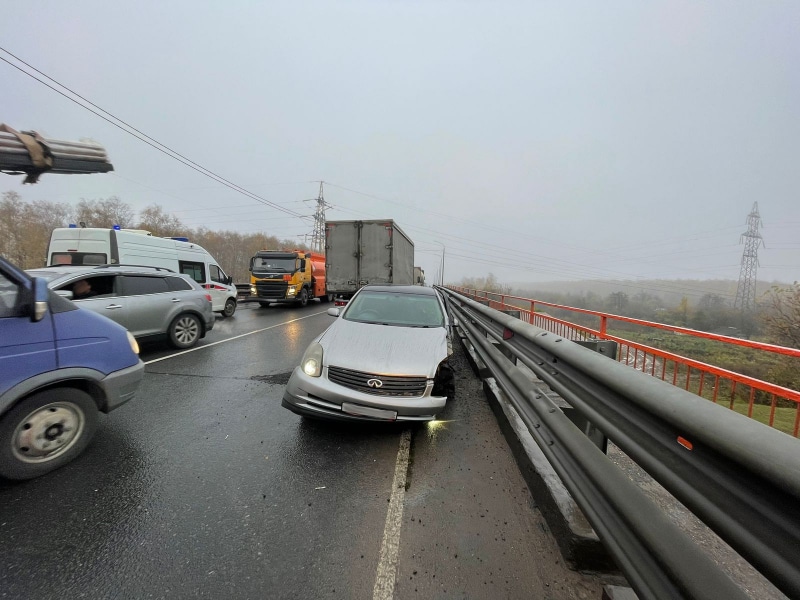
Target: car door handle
(176, 299)
(113, 306)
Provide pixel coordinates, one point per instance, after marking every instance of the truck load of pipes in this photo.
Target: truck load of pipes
(27, 152)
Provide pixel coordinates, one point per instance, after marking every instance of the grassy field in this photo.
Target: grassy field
(746, 361)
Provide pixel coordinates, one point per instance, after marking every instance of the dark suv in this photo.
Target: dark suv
(150, 302)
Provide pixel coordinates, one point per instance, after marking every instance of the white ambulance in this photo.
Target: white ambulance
(96, 246)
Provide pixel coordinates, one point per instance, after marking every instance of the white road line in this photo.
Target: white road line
(390, 547)
(236, 337)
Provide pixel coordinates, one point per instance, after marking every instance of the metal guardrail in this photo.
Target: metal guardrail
(747, 492)
(711, 382)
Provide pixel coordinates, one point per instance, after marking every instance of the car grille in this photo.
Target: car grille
(271, 289)
(392, 384)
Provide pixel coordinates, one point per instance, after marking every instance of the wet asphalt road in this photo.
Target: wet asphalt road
(203, 486)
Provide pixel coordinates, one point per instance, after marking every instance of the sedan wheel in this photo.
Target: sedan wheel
(46, 431)
(184, 331)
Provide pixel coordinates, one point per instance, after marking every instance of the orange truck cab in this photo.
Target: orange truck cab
(280, 276)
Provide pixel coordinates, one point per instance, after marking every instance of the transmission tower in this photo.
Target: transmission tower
(318, 236)
(746, 290)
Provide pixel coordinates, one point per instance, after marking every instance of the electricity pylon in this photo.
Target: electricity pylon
(318, 235)
(746, 290)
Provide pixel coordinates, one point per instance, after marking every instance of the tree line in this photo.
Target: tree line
(25, 229)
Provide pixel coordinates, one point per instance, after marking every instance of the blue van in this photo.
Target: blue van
(59, 366)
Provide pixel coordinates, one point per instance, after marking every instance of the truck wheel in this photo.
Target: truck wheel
(302, 299)
(230, 308)
(184, 331)
(46, 431)
(327, 298)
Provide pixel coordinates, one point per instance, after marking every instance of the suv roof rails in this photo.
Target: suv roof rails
(136, 266)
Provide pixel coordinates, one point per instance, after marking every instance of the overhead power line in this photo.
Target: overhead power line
(131, 130)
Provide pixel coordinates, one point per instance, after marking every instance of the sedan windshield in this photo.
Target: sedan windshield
(388, 308)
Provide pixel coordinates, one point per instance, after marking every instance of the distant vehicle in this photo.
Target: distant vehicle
(384, 359)
(150, 302)
(359, 253)
(100, 246)
(419, 276)
(281, 276)
(59, 366)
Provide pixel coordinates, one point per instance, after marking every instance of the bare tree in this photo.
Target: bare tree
(782, 315)
(11, 226)
(105, 213)
(25, 228)
(160, 223)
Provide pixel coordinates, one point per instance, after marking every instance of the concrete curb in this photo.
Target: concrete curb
(576, 539)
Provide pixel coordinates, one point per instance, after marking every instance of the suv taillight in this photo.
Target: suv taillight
(208, 297)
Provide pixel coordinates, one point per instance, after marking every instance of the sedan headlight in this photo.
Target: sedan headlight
(132, 341)
(312, 360)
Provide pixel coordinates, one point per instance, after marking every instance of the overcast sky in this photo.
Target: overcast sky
(533, 140)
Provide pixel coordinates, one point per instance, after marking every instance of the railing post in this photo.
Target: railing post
(603, 325)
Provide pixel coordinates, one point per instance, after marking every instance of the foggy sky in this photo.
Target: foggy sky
(536, 141)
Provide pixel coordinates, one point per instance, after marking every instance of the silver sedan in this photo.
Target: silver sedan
(383, 359)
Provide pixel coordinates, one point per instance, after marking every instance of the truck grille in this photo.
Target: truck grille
(275, 290)
(392, 384)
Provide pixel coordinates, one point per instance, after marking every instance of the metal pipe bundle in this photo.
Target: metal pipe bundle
(30, 153)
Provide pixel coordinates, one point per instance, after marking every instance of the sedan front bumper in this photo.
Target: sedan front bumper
(319, 397)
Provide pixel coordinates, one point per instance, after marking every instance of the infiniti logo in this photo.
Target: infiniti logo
(374, 383)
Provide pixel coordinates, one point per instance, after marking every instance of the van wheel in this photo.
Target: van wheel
(46, 431)
(184, 331)
(230, 308)
(302, 299)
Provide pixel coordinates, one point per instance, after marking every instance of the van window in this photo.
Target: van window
(78, 258)
(9, 297)
(216, 274)
(137, 286)
(195, 270)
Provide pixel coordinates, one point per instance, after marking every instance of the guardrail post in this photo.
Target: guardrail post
(603, 325)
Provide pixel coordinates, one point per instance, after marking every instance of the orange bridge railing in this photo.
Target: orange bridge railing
(754, 397)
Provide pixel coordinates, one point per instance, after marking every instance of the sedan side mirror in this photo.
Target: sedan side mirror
(334, 312)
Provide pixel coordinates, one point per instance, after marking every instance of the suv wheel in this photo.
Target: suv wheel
(230, 308)
(184, 331)
(45, 431)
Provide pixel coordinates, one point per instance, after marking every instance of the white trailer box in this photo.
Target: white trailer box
(97, 246)
(359, 253)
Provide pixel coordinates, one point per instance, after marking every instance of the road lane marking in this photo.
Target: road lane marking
(236, 337)
(390, 547)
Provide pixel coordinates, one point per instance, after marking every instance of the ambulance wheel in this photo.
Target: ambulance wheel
(230, 308)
